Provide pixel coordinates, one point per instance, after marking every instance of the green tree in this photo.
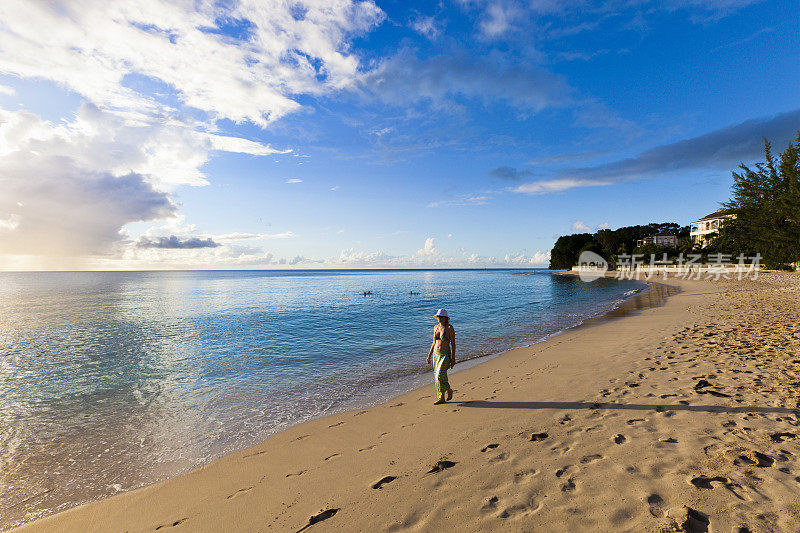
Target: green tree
(766, 201)
(608, 243)
(567, 248)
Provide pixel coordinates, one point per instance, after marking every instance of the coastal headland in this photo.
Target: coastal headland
(678, 417)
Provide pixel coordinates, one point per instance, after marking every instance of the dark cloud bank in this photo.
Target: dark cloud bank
(174, 242)
(723, 148)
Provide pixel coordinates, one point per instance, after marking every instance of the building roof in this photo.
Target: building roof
(717, 214)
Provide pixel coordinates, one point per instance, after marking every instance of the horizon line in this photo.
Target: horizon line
(335, 269)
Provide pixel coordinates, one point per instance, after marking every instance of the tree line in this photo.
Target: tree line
(611, 243)
(766, 204)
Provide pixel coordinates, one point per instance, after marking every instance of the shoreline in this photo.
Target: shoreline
(628, 302)
(628, 305)
(336, 445)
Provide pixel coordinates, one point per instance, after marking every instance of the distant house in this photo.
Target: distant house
(707, 227)
(660, 240)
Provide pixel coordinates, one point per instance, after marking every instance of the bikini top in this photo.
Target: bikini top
(440, 336)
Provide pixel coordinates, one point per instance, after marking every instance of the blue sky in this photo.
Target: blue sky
(359, 134)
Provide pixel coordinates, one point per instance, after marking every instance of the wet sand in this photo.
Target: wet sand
(683, 416)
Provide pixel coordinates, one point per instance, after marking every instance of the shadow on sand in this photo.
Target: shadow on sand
(628, 407)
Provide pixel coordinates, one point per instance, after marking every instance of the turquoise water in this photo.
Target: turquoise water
(109, 381)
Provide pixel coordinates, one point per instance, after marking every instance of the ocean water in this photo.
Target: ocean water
(110, 381)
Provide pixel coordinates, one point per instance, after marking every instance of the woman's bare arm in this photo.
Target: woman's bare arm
(430, 352)
(452, 337)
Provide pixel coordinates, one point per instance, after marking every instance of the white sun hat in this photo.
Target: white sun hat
(441, 312)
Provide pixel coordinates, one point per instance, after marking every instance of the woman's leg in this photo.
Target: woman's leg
(441, 363)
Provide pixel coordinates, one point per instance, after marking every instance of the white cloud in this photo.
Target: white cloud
(558, 185)
(427, 26)
(69, 210)
(224, 256)
(580, 225)
(71, 187)
(97, 152)
(429, 248)
(9, 224)
(6, 90)
(169, 153)
(294, 180)
(468, 199)
(243, 146)
(285, 50)
(249, 236)
(498, 19)
(540, 258)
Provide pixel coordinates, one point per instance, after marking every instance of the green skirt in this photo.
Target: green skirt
(441, 363)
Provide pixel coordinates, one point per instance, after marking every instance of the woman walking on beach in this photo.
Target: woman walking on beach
(443, 350)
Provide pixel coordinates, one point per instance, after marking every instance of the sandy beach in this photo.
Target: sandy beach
(681, 417)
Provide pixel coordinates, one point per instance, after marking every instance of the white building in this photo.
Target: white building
(707, 227)
(659, 240)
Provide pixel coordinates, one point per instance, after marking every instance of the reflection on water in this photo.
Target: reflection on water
(113, 380)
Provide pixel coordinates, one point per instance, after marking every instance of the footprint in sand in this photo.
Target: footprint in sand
(569, 486)
(514, 510)
(591, 458)
(688, 519)
(332, 456)
(336, 424)
(536, 437)
(300, 473)
(489, 447)
(490, 505)
(655, 501)
(256, 453)
(441, 465)
(239, 492)
(713, 393)
(706, 482)
(620, 438)
(324, 515)
(383, 481)
(519, 477)
(633, 421)
(782, 436)
(751, 458)
(173, 524)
